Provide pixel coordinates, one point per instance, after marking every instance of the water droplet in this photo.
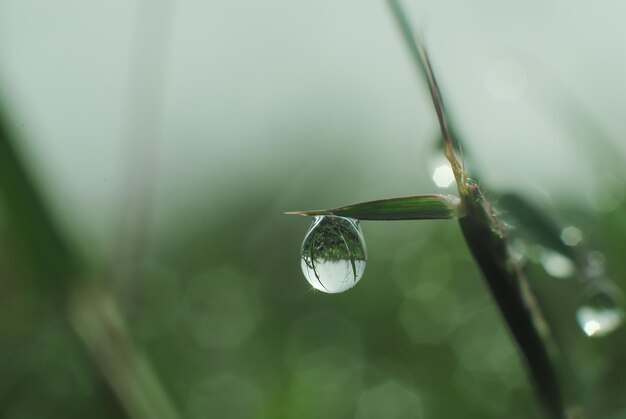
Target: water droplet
(601, 313)
(557, 265)
(571, 235)
(595, 264)
(333, 254)
(518, 250)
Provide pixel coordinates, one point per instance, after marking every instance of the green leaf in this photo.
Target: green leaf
(419, 207)
(38, 249)
(40, 254)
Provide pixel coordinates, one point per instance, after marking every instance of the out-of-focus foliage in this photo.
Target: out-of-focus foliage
(234, 330)
(217, 300)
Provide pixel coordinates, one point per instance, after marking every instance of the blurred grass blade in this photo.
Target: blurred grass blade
(536, 222)
(419, 207)
(420, 57)
(42, 256)
(97, 320)
(40, 253)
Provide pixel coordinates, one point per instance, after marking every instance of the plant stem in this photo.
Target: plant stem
(486, 241)
(485, 238)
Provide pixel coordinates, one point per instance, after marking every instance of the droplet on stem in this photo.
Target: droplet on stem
(518, 250)
(595, 262)
(557, 264)
(333, 254)
(600, 313)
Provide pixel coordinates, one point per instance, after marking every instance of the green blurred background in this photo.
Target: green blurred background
(168, 138)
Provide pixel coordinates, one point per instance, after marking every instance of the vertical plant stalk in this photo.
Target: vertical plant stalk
(485, 237)
(149, 53)
(42, 255)
(98, 322)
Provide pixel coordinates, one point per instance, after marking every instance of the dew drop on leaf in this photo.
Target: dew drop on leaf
(600, 313)
(333, 254)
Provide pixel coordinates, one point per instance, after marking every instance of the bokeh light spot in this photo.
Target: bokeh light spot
(571, 235)
(443, 176)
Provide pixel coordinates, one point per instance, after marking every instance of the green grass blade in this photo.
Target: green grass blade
(40, 252)
(419, 207)
(42, 256)
(534, 221)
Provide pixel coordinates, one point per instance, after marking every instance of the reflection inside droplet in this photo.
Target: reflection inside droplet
(600, 314)
(333, 254)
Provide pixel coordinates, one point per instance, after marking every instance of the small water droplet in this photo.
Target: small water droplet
(595, 264)
(333, 254)
(518, 250)
(571, 235)
(600, 313)
(557, 265)
(596, 259)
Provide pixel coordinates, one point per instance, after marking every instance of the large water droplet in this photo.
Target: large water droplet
(333, 254)
(600, 313)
